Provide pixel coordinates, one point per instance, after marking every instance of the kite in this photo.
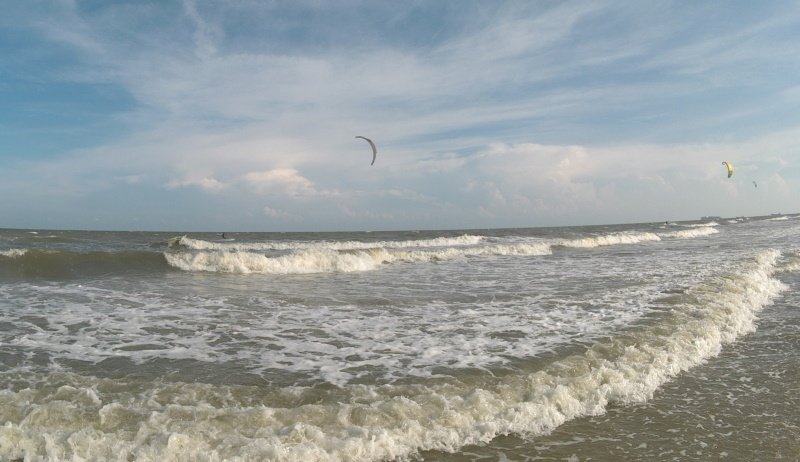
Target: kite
(372, 145)
(730, 168)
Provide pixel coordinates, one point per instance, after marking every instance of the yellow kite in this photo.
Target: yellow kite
(730, 168)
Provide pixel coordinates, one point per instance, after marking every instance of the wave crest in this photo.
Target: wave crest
(610, 239)
(185, 242)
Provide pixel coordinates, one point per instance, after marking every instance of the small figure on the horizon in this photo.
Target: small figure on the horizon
(223, 236)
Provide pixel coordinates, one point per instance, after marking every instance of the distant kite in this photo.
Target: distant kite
(755, 184)
(372, 145)
(730, 168)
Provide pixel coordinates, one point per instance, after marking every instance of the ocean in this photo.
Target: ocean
(636, 342)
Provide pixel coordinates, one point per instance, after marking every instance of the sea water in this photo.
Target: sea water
(656, 341)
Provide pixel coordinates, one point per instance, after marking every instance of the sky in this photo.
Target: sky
(241, 115)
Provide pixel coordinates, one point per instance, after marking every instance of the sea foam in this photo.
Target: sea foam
(691, 233)
(13, 253)
(610, 239)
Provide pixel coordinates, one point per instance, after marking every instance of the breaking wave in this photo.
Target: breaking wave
(691, 233)
(13, 253)
(609, 239)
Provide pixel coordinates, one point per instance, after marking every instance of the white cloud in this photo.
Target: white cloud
(205, 35)
(206, 183)
(286, 181)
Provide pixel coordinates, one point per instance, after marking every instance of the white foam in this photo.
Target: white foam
(782, 218)
(691, 233)
(250, 262)
(171, 422)
(13, 253)
(610, 239)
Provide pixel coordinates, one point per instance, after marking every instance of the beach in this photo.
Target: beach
(648, 341)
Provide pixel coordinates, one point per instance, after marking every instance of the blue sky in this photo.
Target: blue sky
(241, 115)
